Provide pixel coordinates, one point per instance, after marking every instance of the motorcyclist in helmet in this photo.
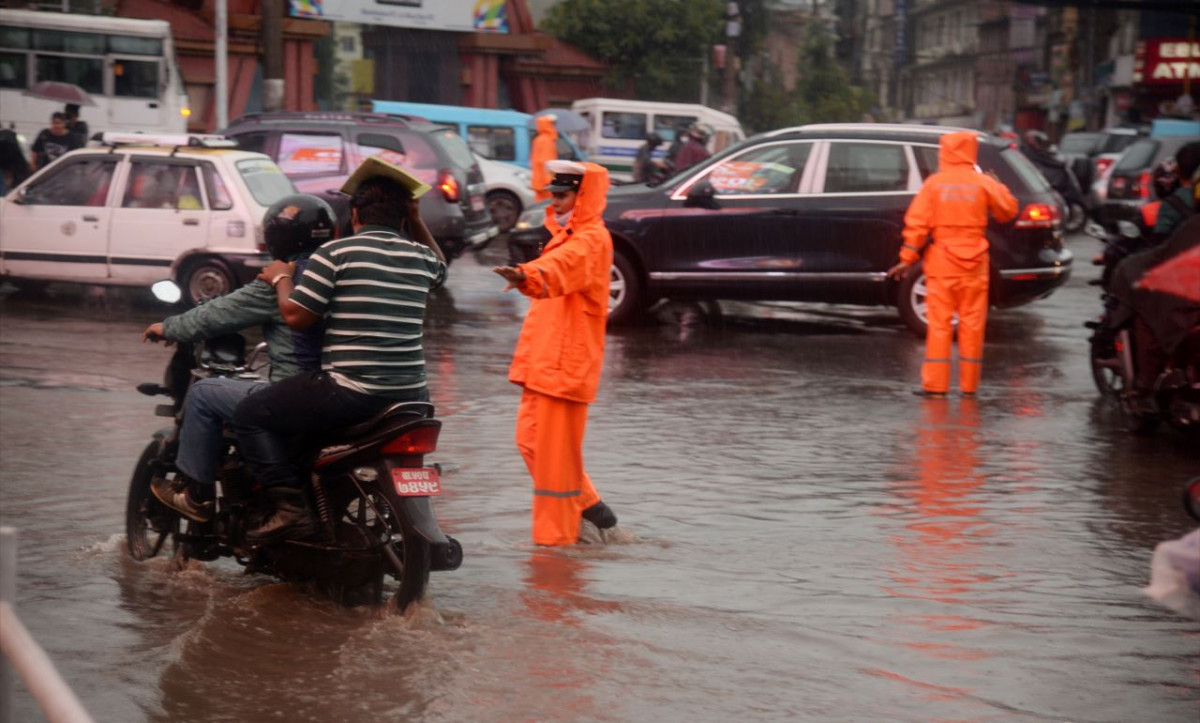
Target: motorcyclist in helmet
(1038, 149)
(694, 149)
(293, 227)
(646, 167)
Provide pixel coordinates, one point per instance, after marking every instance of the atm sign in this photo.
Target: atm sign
(1164, 61)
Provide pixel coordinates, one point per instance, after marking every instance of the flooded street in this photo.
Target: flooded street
(815, 543)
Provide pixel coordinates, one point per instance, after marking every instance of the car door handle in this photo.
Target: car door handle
(191, 222)
(91, 219)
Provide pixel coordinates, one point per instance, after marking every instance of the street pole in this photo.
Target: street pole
(272, 40)
(222, 62)
(704, 78)
(733, 28)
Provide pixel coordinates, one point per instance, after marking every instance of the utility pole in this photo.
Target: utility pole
(272, 42)
(733, 28)
(222, 62)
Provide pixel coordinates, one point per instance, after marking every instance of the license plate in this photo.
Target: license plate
(417, 482)
(477, 203)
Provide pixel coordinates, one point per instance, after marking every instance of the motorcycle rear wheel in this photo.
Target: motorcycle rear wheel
(381, 515)
(148, 523)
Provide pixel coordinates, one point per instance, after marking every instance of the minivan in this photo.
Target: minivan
(501, 135)
(619, 129)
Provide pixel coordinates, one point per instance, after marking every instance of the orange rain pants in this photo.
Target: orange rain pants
(966, 295)
(550, 437)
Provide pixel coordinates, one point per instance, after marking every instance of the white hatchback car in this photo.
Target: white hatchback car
(508, 191)
(128, 213)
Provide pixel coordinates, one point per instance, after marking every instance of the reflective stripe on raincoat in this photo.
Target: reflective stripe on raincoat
(953, 205)
(561, 348)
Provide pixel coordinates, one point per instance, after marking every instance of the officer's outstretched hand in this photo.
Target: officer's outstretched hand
(512, 274)
(899, 271)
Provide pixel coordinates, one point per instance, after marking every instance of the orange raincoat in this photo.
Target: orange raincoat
(953, 206)
(544, 148)
(559, 357)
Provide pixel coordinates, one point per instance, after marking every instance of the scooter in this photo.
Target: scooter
(371, 491)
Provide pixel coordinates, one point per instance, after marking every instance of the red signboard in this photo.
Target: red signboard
(1166, 61)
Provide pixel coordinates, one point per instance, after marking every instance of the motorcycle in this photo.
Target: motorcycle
(1175, 396)
(370, 489)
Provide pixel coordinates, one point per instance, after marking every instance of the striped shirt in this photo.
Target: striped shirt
(371, 290)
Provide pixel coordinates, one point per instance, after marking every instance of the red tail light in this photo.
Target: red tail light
(449, 185)
(1038, 215)
(421, 440)
(1142, 186)
(1102, 165)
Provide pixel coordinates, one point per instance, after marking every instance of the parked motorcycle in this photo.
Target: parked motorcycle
(371, 491)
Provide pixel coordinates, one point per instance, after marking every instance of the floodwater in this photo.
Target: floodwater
(815, 543)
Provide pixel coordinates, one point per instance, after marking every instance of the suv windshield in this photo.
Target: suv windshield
(266, 182)
(1030, 176)
(455, 146)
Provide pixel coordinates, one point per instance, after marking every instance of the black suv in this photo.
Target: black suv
(813, 213)
(318, 151)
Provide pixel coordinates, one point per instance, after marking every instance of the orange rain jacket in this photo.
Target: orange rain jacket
(953, 205)
(561, 348)
(544, 148)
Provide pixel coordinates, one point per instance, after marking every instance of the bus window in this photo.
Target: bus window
(87, 73)
(135, 78)
(68, 42)
(12, 70)
(128, 45)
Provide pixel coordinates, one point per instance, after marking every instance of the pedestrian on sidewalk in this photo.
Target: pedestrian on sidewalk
(953, 207)
(561, 350)
(53, 142)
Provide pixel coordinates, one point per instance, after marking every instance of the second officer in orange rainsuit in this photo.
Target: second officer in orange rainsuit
(561, 350)
(543, 150)
(953, 207)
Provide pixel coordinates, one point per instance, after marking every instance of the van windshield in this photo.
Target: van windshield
(264, 179)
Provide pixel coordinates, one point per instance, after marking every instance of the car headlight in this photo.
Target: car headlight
(532, 218)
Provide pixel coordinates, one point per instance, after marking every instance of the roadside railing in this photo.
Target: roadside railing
(22, 653)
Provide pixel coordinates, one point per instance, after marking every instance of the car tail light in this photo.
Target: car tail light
(449, 185)
(1141, 187)
(1102, 165)
(420, 440)
(1038, 215)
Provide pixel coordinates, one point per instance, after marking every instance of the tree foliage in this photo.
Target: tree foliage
(659, 45)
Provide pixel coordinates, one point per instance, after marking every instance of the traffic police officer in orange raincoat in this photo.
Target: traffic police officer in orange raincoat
(561, 350)
(953, 206)
(543, 150)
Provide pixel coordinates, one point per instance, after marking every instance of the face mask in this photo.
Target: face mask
(563, 218)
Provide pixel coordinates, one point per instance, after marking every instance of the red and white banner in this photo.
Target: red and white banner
(1166, 61)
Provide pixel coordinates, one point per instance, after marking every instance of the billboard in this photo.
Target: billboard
(464, 16)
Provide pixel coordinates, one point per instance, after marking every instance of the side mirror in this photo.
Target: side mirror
(20, 196)
(1128, 229)
(702, 195)
(1095, 230)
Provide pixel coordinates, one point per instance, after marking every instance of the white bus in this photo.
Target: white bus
(127, 67)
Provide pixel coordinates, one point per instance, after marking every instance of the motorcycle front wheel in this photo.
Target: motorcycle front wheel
(148, 523)
(1106, 372)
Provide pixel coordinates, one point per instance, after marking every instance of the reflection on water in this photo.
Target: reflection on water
(816, 544)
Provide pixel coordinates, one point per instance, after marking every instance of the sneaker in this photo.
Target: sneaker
(174, 493)
(600, 515)
(928, 394)
(291, 519)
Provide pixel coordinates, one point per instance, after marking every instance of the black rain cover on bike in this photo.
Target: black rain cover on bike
(1170, 315)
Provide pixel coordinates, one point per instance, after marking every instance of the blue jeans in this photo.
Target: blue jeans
(210, 404)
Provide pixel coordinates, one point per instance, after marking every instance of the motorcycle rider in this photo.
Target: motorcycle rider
(1040, 152)
(1177, 207)
(645, 166)
(371, 289)
(694, 149)
(293, 227)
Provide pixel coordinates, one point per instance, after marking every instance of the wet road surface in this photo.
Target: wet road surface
(816, 544)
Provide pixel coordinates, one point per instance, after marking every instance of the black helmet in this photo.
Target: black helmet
(1038, 140)
(654, 139)
(296, 225)
(1165, 178)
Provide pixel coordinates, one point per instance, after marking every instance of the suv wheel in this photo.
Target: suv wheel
(206, 279)
(505, 209)
(625, 302)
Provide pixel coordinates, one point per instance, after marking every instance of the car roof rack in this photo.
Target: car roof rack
(176, 141)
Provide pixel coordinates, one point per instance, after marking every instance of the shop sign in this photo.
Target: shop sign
(478, 16)
(1163, 61)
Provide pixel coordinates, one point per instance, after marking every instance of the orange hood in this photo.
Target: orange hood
(545, 126)
(958, 149)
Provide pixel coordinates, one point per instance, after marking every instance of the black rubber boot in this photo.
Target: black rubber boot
(600, 515)
(290, 520)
